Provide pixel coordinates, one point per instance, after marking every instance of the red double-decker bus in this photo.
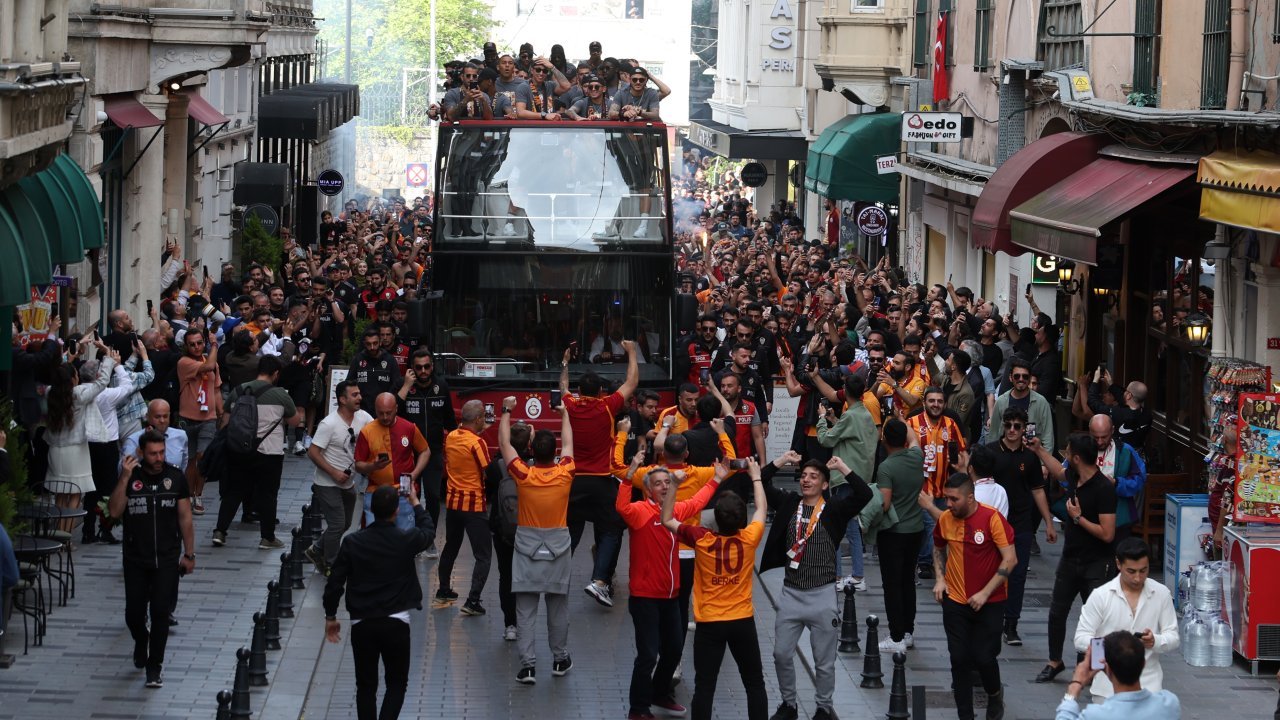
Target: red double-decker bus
(546, 234)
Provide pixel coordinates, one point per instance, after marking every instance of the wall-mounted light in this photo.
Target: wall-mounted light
(1067, 282)
(1197, 325)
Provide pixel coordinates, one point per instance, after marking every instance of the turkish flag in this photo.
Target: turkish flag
(941, 91)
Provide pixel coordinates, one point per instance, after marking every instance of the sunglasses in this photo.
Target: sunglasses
(1013, 426)
(351, 436)
(303, 279)
(422, 367)
(1020, 376)
(594, 86)
(710, 329)
(743, 336)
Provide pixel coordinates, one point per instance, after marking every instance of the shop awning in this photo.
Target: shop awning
(126, 112)
(202, 112)
(307, 112)
(842, 161)
(735, 144)
(1026, 174)
(1241, 189)
(46, 219)
(1067, 219)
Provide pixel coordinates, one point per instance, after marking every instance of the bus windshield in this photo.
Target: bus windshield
(564, 187)
(511, 316)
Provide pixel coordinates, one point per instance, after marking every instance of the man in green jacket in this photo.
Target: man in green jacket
(853, 438)
(1020, 395)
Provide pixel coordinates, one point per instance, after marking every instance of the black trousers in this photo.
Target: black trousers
(897, 569)
(475, 525)
(709, 642)
(103, 458)
(659, 644)
(256, 475)
(385, 638)
(149, 592)
(973, 641)
(1073, 578)
(431, 483)
(504, 551)
(593, 498)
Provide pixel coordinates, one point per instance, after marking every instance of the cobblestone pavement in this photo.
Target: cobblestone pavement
(461, 666)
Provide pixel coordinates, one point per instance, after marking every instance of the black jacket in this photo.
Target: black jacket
(835, 518)
(376, 568)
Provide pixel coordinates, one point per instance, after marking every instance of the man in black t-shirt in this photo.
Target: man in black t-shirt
(1017, 470)
(153, 499)
(425, 401)
(1087, 559)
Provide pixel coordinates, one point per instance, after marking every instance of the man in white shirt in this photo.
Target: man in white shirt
(158, 419)
(333, 490)
(1130, 602)
(982, 468)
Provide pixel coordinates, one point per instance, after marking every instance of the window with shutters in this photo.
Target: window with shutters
(1146, 23)
(921, 53)
(982, 35)
(1059, 43)
(946, 10)
(1217, 47)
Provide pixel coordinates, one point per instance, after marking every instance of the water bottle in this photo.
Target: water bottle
(1196, 651)
(1184, 591)
(1220, 644)
(1207, 591)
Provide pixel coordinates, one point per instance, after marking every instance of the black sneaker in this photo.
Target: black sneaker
(995, 706)
(154, 678)
(140, 654)
(1011, 636)
(561, 667)
(786, 712)
(317, 558)
(219, 538)
(924, 572)
(444, 598)
(825, 714)
(173, 621)
(472, 607)
(527, 676)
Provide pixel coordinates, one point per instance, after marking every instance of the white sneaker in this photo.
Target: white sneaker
(859, 584)
(509, 229)
(907, 640)
(642, 230)
(842, 583)
(510, 633)
(889, 646)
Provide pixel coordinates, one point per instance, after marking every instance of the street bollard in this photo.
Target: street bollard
(898, 689)
(317, 525)
(296, 549)
(849, 624)
(306, 521)
(224, 705)
(272, 634)
(286, 592)
(240, 688)
(871, 675)
(258, 652)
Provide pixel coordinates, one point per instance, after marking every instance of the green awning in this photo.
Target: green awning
(842, 161)
(52, 200)
(88, 207)
(33, 235)
(15, 279)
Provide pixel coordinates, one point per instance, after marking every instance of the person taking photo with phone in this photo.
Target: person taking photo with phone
(390, 452)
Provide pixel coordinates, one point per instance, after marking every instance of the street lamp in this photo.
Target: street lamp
(1066, 280)
(1197, 324)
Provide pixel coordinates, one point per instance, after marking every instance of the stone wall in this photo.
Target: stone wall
(383, 154)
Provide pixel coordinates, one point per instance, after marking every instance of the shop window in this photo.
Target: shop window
(1064, 47)
(866, 5)
(1217, 47)
(982, 35)
(920, 54)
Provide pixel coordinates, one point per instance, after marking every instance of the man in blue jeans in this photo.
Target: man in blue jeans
(1018, 472)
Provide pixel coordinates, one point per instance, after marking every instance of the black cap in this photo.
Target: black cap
(637, 70)
(595, 45)
(591, 78)
(490, 46)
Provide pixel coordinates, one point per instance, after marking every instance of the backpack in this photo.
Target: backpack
(507, 504)
(242, 429)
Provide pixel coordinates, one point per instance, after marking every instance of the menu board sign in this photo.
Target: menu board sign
(1257, 490)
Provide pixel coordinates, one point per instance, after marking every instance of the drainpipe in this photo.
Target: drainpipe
(1235, 67)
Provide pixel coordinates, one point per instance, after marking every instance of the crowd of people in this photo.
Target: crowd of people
(924, 438)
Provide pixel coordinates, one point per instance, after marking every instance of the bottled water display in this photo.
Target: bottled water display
(1206, 587)
(1196, 651)
(1220, 644)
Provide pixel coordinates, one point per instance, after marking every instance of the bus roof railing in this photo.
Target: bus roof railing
(508, 123)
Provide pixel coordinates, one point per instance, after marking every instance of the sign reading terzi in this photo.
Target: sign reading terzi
(780, 38)
(931, 127)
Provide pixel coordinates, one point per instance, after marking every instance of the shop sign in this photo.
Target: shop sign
(931, 127)
(873, 221)
(266, 215)
(780, 38)
(1273, 343)
(887, 165)
(1044, 269)
(330, 182)
(754, 174)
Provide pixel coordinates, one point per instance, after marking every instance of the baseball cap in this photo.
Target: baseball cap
(591, 78)
(595, 45)
(636, 70)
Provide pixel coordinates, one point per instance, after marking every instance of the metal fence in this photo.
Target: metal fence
(390, 103)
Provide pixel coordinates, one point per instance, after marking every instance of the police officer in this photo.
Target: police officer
(373, 369)
(425, 401)
(155, 502)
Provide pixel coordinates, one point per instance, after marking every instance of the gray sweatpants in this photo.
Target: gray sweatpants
(815, 610)
(337, 506)
(557, 626)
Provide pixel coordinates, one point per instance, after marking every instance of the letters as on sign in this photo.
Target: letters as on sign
(931, 127)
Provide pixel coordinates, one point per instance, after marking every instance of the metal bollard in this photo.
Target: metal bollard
(286, 592)
(871, 675)
(272, 618)
(224, 705)
(849, 624)
(317, 525)
(898, 689)
(240, 688)
(296, 549)
(306, 521)
(258, 652)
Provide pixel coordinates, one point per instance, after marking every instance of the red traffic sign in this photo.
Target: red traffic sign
(416, 174)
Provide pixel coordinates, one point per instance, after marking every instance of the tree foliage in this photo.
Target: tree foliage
(401, 35)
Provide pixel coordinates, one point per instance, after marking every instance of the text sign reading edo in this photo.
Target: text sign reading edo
(931, 127)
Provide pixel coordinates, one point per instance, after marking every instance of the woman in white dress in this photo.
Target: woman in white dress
(70, 402)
